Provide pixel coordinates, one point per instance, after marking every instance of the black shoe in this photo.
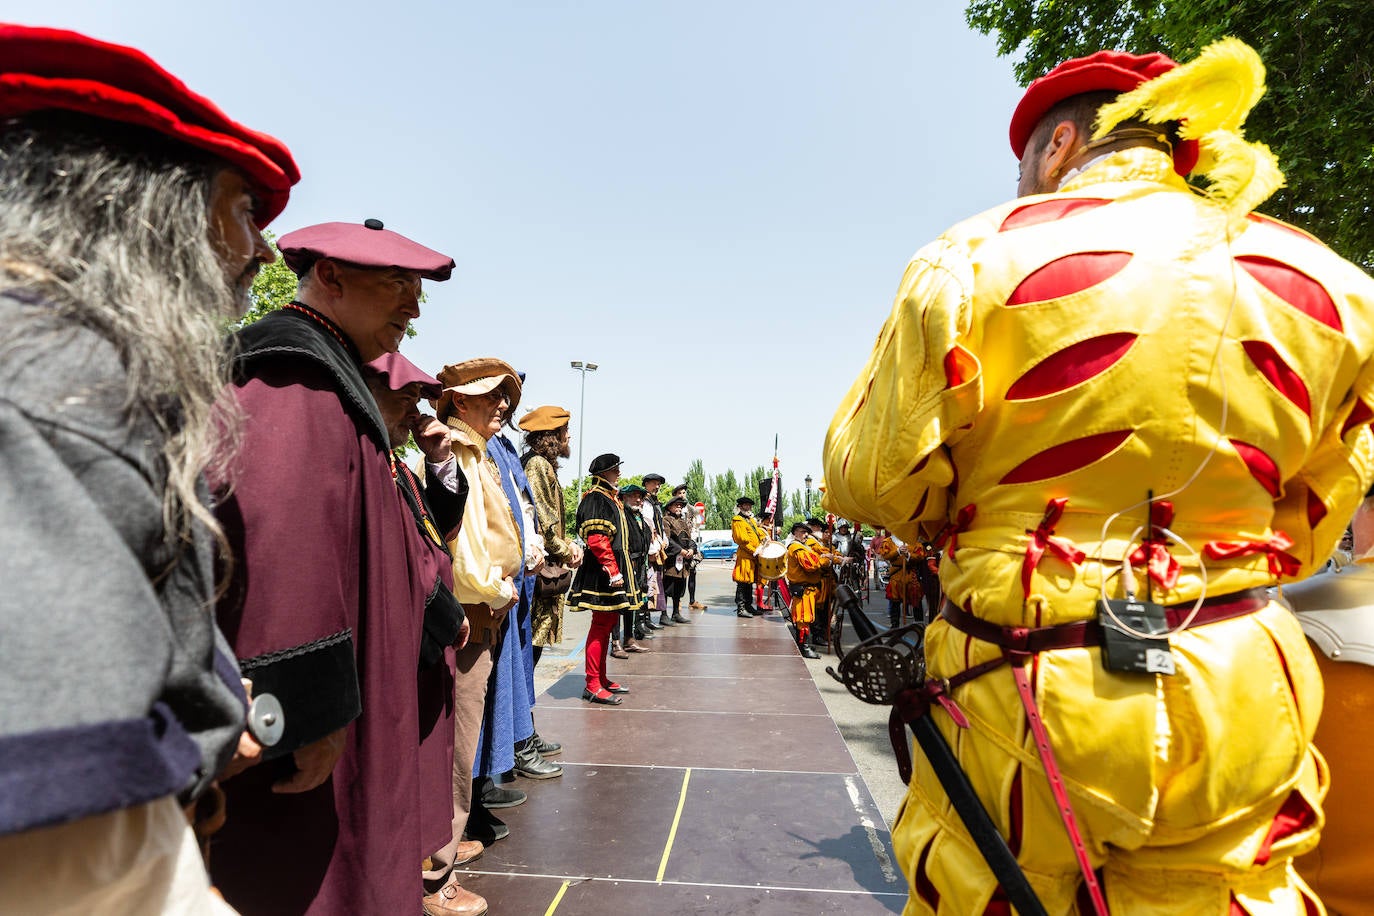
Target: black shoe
(741, 612)
(494, 796)
(609, 700)
(648, 634)
(545, 747)
(649, 622)
(755, 612)
(530, 765)
(806, 652)
(663, 621)
(678, 618)
(485, 827)
(616, 688)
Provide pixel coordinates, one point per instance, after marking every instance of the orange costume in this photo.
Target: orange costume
(1048, 364)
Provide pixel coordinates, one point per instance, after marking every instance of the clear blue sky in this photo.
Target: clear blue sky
(713, 201)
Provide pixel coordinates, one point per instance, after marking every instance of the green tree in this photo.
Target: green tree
(695, 479)
(720, 508)
(273, 287)
(1318, 115)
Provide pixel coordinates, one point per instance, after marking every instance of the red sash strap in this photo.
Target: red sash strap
(1281, 563)
(1043, 539)
(1061, 794)
(1154, 552)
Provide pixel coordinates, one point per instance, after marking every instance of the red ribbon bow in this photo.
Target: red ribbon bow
(1043, 539)
(1281, 563)
(950, 533)
(1154, 552)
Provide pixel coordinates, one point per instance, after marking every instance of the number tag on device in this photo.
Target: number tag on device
(1126, 652)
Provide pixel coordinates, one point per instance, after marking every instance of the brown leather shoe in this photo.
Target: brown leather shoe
(452, 900)
(617, 651)
(635, 647)
(468, 851)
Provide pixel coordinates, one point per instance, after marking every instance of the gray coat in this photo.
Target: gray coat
(116, 687)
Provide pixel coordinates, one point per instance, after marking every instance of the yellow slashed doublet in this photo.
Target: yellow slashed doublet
(1064, 354)
(804, 575)
(747, 535)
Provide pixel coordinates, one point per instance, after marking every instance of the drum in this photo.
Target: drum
(772, 558)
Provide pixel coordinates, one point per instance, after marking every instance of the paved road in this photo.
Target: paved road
(863, 727)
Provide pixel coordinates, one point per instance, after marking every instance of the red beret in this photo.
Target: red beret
(53, 69)
(366, 244)
(398, 372)
(1114, 71)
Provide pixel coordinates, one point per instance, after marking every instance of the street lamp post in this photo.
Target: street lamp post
(584, 368)
(807, 481)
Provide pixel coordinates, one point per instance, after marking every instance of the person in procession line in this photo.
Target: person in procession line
(109, 418)
(1125, 403)
(605, 585)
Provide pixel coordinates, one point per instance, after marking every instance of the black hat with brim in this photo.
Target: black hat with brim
(650, 478)
(603, 463)
(745, 499)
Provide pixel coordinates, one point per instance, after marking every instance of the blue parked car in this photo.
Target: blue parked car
(718, 549)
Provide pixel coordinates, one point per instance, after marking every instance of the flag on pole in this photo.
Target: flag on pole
(773, 507)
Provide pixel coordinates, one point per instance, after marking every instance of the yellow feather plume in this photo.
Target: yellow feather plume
(1210, 96)
(1215, 91)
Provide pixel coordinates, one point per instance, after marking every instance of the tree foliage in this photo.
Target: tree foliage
(1318, 114)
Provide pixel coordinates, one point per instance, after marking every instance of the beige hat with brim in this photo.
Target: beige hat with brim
(478, 376)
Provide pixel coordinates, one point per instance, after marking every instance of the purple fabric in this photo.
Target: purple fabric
(326, 544)
(120, 764)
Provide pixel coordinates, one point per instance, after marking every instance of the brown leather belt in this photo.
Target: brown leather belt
(1081, 633)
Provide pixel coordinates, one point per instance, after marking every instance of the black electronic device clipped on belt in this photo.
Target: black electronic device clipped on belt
(1125, 651)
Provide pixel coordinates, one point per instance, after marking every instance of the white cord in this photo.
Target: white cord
(1219, 363)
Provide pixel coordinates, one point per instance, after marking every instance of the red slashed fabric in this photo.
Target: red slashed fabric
(925, 888)
(1048, 211)
(1316, 509)
(1295, 815)
(1279, 373)
(1066, 457)
(960, 366)
(1293, 287)
(1360, 414)
(1263, 468)
(1071, 366)
(1067, 275)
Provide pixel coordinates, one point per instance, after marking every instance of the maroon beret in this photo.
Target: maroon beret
(53, 69)
(398, 372)
(365, 244)
(1106, 70)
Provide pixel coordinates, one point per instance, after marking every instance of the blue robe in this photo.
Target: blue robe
(506, 718)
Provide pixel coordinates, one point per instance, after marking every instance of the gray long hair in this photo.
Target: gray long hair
(111, 227)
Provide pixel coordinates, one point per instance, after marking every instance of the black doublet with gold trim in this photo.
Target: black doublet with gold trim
(600, 512)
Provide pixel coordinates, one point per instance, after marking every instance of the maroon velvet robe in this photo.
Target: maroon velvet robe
(324, 558)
